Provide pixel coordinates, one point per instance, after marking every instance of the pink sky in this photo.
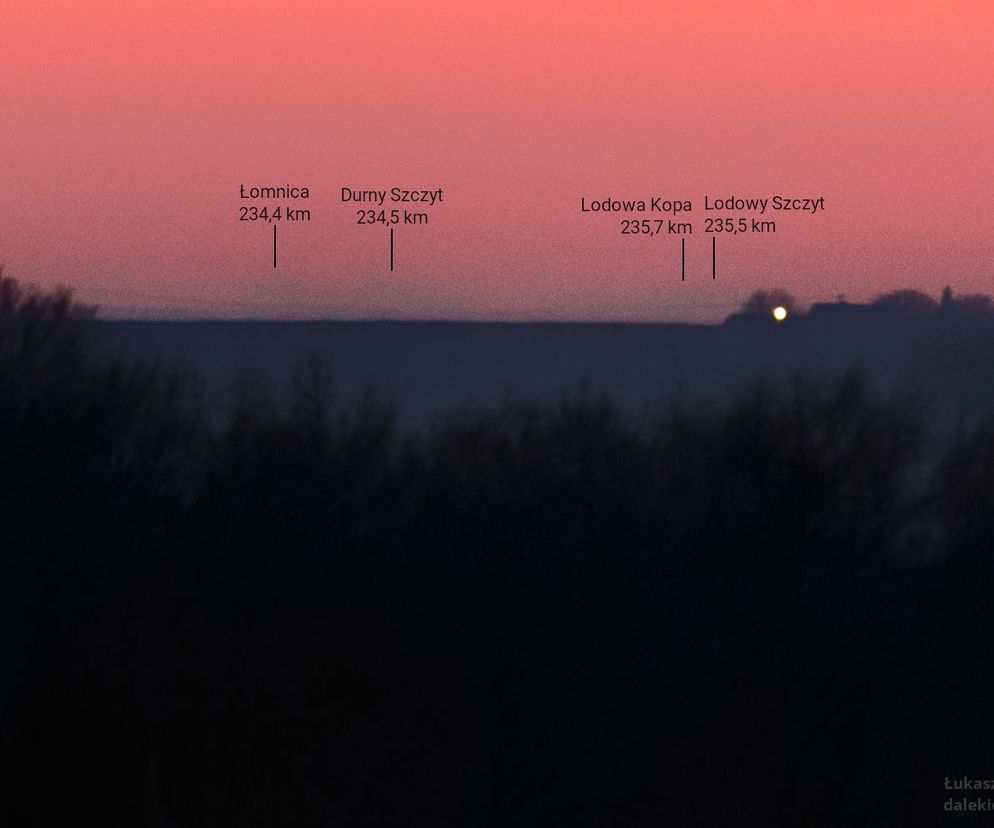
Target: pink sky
(127, 128)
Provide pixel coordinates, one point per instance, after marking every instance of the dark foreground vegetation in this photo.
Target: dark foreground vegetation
(771, 613)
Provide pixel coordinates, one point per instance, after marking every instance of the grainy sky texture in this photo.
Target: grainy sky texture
(126, 130)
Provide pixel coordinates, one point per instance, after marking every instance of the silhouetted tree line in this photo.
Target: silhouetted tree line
(766, 613)
(904, 303)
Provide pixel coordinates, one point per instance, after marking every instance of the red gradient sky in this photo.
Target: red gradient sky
(127, 128)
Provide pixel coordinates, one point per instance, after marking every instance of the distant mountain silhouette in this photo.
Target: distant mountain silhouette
(428, 369)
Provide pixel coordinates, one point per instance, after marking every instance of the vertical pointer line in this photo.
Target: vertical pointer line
(683, 259)
(391, 250)
(274, 245)
(712, 257)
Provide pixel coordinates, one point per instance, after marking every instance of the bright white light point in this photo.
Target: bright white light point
(780, 313)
